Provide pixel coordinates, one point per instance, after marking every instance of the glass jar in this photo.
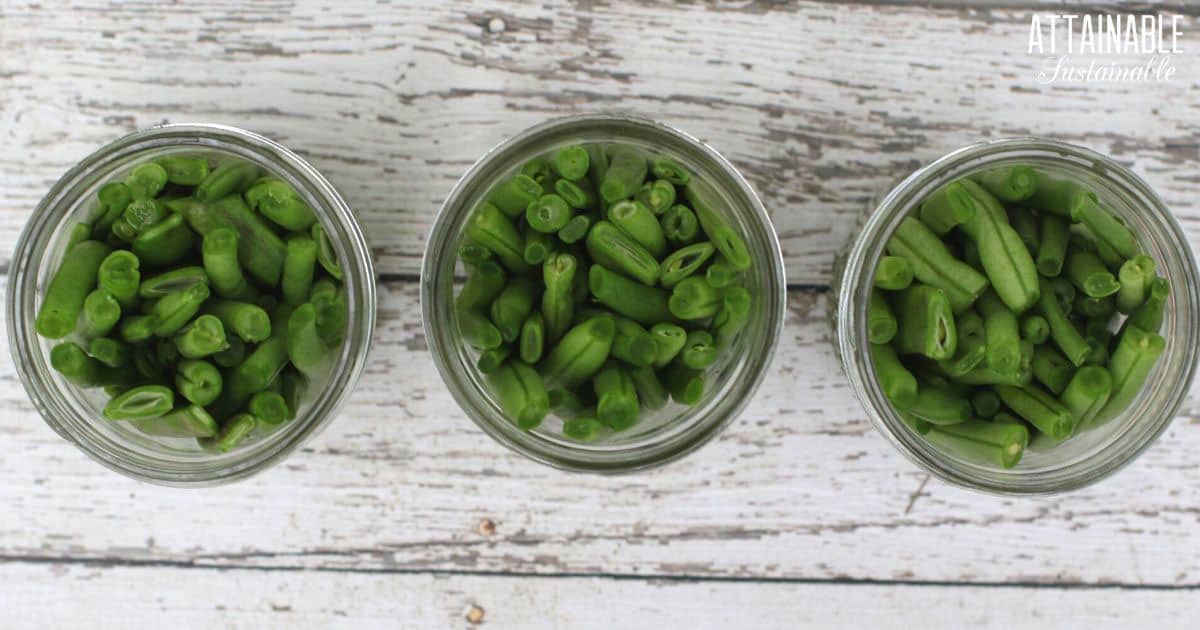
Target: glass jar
(658, 437)
(1091, 455)
(75, 413)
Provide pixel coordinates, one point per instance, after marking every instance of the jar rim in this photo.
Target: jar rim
(626, 458)
(854, 289)
(63, 201)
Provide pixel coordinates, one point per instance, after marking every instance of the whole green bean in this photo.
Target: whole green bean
(933, 264)
(146, 401)
(627, 168)
(898, 384)
(617, 401)
(926, 323)
(1053, 238)
(684, 262)
(69, 287)
(881, 321)
(1135, 276)
(1006, 261)
(580, 353)
(204, 336)
(644, 304)
(1133, 359)
(198, 381)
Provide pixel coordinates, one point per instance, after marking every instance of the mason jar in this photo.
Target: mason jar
(1090, 455)
(75, 413)
(658, 437)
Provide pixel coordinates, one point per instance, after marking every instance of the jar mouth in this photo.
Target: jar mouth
(67, 409)
(731, 382)
(1104, 450)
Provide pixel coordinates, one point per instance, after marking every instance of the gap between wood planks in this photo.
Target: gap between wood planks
(102, 562)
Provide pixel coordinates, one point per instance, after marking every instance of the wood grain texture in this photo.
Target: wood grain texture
(801, 487)
(821, 105)
(98, 597)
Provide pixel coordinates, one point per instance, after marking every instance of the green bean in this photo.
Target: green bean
(612, 248)
(292, 386)
(1136, 353)
(514, 195)
(268, 408)
(680, 226)
(326, 255)
(571, 162)
(1149, 316)
(705, 201)
(78, 233)
(114, 197)
(70, 360)
(227, 178)
(1082, 237)
(666, 168)
(926, 323)
(538, 247)
(1051, 368)
(577, 228)
(533, 338)
(1034, 328)
(1093, 308)
(684, 262)
(685, 384)
(109, 352)
(720, 274)
(198, 381)
(484, 282)
(1053, 238)
(1009, 183)
(644, 304)
(166, 354)
(893, 273)
(69, 287)
(119, 275)
(1006, 261)
(548, 214)
(693, 298)
(1064, 293)
(700, 350)
(490, 228)
(1104, 227)
(1057, 195)
(122, 232)
(972, 345)
(947, 208)
(203, 337)
(558, 304)
(514, 304)
(999, 442)
(732, 317)
(260, 250)
(1062, 332)
(1086, 271)
(233, 354)
(617, 406)
(633, 344)
(177, 308)
(164, 243)
(1087, 393)
(1040, 409)
(940, 406)
(281, 204)
(236, 430)
(897, 382)
(168, 282)
(260, 367)
(638, 223)
(299, 265)
(626, 170)
(580, 353)
(881, 321)
(477, 330)
(985, 402)
(933, 264)
(473, 253)
(146, 180)
(219, 251)
(190, 421)
(141, 214)
(137, 328)
(1002, 332)
(583, 428)
(100, 314)
(1135, 276)
(658, 196)
(1026, 225)
(521, 394)
(146, 401)
(983, 375)
(669, 341)
(489, 360)
(537, 169)
(184, 170)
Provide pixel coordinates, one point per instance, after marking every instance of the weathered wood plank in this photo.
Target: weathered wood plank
(821, 105)
(800, 487)
(73, 596)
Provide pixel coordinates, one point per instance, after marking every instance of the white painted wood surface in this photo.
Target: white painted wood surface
(798, 515)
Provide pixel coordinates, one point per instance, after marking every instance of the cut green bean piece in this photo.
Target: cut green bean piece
(1135, 276)
(203, 337)
(477, 330)
(732, 317)
(164, 243)
(165, 283)
(693, 298)
(70, 360)
(624, 175)
(947, 208)
(177, 308)
(261, 366)
(1034, 328)
(538, 169)
(236, 430)
(219, 251)
(1087, 272)
(484, 282)
(638, 223)
(521, 394)
(571, 162)
(897, 382)
(583, 428)
(1040, 409)
(114, 197)
(514, 195)
(670, 170)
(514, 304)
(1064, 293)
(700, 350)
(983, 375)
(617, 400)
(146, 180)
(933, 264)
(548, 214)
(119, 274)
(1002, 332)
(685, 384)
(234, 176)
(684, 262)
(893, 273)
(669, 341)
(644, 304)
(78, 233)
(101, 311)
(1062, 331)
(658, 196)
(299, 265)
(972, 345)
(1006, 260)
(490, 360)
(633, 344)
(268, 408)
(1104, 227)
(986, 403)
(1087, 393)
(650, 391)
(926, 323)
(140, 214)
(1149, 316)
(110, 352)
(281, 204)
(881, 322)
(492, 229)
(136, 329)
(1009, 183)
(260, 250)
(473, 253)
(1133, 359)
(558, 303)
(198, 381)
(532, 338)
(1026, 224)
(233, 354)
(568, 404)
(1093, 308)
(577, 228)
(680, 226)
(147, 401)
(580, 353)
(191, 421)
(1057, 196)
(69, 287)
(1053, 238)
(720, 274)
(1001, 443)
(615, 250)
(705, 201)
(184, 170)
(538, 247)
(940, 406)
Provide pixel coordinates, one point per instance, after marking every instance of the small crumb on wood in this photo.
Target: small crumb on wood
(496, 25)
(486, 527)
(474, 614)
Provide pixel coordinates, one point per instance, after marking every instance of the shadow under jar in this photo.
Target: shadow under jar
(1092, 454)
(75, 413)
(659, 436)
